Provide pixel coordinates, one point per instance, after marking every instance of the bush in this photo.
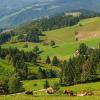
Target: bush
(52, 43)
(35, 84)
(25, 45)
(56, 86)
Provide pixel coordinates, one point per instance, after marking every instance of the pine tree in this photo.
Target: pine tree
(48, 61)
(55, 61)
(40, 73)
(83, 49)
(68, 77)
(94, 60)
(14, 85)
(36, 53)
(52, 43)
(46, 84)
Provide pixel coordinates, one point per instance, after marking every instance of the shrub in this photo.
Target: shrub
(56, 86)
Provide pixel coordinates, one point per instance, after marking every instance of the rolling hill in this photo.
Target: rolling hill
(88, 32)
(65, 39)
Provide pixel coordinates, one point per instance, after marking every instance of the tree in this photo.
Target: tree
(8, 58)
(68, 77)
(94, 61)
(36, 50)
(40, 73)
(52, 43)
(20, 37)
(83, 49)
(35, 33)
(3, 86)
(14, 85)
(46, 84)
(56, 86)
(36, 53)
(48, 61)
(85, 71)
(55, 61)
(25, 45)
(23, 71)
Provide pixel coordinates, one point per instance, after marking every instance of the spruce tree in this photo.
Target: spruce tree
(52, 43)
(55, 61)
(83, 49)
(48, 61)
(46, 84)
(14, 85)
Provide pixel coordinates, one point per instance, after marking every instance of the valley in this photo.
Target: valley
(54, 58)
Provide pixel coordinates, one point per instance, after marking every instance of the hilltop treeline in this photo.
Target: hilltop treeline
(56, 22)
(4, 37)
(82, 68)
(30, 32)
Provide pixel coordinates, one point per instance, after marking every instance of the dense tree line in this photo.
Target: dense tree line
(6, 36)
(54, 62)
(83, 68)
(31, 31)
(60, 21)
(19, 58)
(56, 22)
(11, 85)
(32, 36)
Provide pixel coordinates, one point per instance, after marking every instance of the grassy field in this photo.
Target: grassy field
(62, 35)
(90, 24)
(25, 97)
(68, 48)
(65, 39)
(29, 85)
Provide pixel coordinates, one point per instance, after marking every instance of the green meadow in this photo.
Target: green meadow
(65, 48)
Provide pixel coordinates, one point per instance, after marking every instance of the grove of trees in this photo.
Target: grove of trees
(82, 68)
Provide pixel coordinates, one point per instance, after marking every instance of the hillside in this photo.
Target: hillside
(29, 85)
(30, 63)
(90, 28)
(65, 39)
